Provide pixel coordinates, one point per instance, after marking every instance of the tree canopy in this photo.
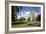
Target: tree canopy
(38, 18)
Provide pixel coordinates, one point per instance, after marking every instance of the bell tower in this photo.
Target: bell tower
(32, 16)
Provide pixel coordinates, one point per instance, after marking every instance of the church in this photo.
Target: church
(32, 15)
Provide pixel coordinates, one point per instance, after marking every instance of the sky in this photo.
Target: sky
(25, 11)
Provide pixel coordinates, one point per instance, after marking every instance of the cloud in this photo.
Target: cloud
(27, 13)
(24, 14)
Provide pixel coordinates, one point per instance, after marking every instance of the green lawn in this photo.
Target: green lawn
(19, 25)
(25, 24)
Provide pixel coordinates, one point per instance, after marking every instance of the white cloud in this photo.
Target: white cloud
(24, 14)
(27, 13)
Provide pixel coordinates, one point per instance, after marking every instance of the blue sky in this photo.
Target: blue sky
(25, 11)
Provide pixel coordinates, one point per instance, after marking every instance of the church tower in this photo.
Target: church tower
(32, 16)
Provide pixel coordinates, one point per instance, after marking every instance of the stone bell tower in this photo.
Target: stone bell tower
(32, 15)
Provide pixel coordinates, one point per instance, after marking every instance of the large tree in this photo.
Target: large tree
(28, 19)
(22, 19)
(38, 18)
(15, 9)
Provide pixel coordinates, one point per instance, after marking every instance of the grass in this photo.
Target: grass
(35, 24)
(20, 25)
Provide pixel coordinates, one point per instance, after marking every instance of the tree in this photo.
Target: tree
(28, 19)
(22, 18)
(15, 9)
(38, 18)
